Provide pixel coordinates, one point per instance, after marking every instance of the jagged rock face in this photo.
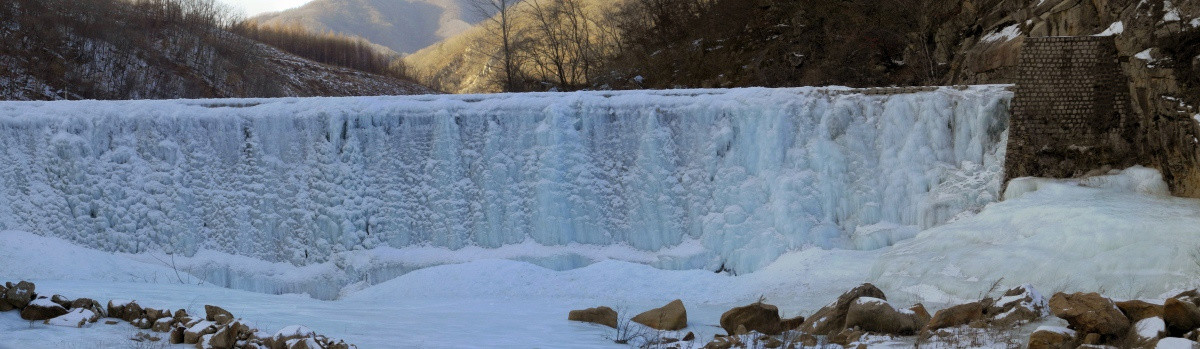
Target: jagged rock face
(1163, 95)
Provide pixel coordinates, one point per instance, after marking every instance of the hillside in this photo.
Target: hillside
(99, 49)
(729, 43)
(402, 26)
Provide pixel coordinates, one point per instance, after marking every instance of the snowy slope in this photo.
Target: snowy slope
(711, 178)
(1121, 234)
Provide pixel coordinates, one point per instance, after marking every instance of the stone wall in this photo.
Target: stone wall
(1070, 111)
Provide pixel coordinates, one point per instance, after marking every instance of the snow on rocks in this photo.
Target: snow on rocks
(878, 316)
(1182, 312)
(19, 295)
(74, 318)
(42, 309)
(218, 330)
(1018, 305)
(832, 318)
(1048, 337)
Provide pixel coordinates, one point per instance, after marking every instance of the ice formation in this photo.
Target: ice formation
(747, 174)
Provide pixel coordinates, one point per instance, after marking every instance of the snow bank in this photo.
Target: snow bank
(747, 174)
(1117, 233)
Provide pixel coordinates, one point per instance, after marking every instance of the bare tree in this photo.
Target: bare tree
(500, 14)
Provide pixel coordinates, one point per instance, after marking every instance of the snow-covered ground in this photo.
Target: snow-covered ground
(1117, 234)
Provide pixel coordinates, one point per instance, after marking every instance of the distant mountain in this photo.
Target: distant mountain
(106, 49)
(404, 26)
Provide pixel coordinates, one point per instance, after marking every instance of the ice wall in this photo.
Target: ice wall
(746, 173)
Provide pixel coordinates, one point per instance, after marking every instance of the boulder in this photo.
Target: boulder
(280, 339)
(1018, 305)
(89, 304)
(133, 312)
(832, 318)
(20, 295)
(846, 336)
(1137, 310)
(116, 308)
(600, 315)
(1090, 313)
(958, 315)
(791, 324)
(877, 316)
(1049, 337)
(42, 309)
(177, 336)
(226, 337)
(1181, 313)
(670, 317)
(78, 317)
(760, 317)
(163, 325)
(4, 305)
(720, 343)
(193, 333)
(215, 313)
(60, 300)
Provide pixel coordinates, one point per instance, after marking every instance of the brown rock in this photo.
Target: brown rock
(1090, 313)
(4, 305)
(132, 312)
(215, 313)
(89, 304)
(163, 325)
(689, 336)
(670, 317)
(20, 295)
(1091, 339)
(192, 334)
(177, 335)
(1018, 305)
(1182, 313)
(226, 336)
(600, 315)
(42, 309)
(1048, 339)
(791, 324)
(846, 336)
(877, 316)
(760, 317)
(1137, 310)
(60, 300)
(959, 315)
(832, 318)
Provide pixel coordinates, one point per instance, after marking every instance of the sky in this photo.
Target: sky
(254, 7)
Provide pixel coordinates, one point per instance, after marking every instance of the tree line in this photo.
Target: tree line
(329, 48)
(578, 44)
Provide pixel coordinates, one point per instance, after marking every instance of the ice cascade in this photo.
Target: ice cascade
(745, 174)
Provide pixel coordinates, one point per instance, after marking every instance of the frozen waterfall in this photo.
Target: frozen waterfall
(723, 178)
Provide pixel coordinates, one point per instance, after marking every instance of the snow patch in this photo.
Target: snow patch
(1150, 328)
(1116, 28)
(1005, 34)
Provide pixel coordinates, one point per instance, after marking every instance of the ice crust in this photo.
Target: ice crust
(747, 174)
